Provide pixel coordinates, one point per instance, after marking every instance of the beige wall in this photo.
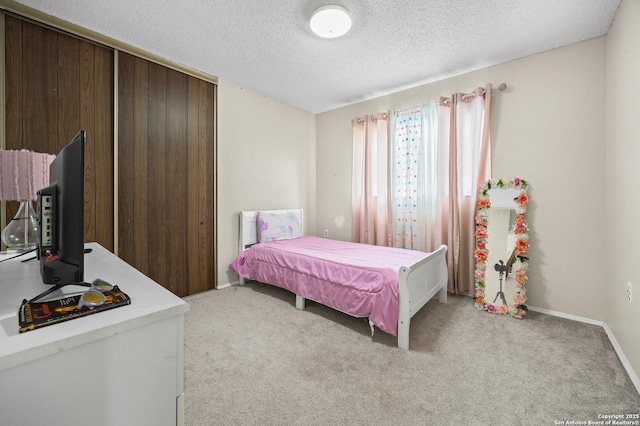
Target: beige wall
(266, 160)
(548, 128)
(623, 180)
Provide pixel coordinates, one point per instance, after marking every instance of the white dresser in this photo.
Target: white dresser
(121, 367)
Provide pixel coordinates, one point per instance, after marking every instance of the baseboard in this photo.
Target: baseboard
(231, 284)
(223, 286)
(566, 316)
(616, 347)
(623, 359)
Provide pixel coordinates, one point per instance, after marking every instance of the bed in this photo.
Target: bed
(384, 284)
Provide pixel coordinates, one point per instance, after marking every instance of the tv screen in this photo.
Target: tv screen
(61, 217)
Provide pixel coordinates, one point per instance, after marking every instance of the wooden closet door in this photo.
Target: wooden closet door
(166, 148)
(56, 85)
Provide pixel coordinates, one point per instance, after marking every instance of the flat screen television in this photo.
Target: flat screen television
(61, 217)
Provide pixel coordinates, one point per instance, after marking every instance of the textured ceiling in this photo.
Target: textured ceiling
(267, 45)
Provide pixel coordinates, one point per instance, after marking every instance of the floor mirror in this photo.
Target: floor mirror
(502, 242)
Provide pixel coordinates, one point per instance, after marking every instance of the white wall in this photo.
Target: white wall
(623, 179)
(548, 127)
(266, 160)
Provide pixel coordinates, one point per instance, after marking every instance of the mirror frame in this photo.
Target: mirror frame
(521, 265)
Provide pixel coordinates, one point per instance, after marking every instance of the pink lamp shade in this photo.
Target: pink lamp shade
(23, 174)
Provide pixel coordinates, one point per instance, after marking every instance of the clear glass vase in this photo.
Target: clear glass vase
(21, 233)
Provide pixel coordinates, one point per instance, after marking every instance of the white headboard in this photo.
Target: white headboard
(249, 227)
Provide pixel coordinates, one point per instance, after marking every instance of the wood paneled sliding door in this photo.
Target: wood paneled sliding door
(166, 211)
(56, 85)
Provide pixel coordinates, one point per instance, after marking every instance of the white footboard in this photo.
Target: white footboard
(418, 284)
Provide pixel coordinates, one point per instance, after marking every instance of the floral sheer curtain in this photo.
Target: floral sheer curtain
(440, 153)
(415, 195)
(370, 188)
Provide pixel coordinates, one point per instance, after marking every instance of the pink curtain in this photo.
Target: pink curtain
(464, 127)
(370, 207)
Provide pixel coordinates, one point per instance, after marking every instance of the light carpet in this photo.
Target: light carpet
(252, 358)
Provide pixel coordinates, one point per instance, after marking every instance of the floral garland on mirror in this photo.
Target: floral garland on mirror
(481, 254)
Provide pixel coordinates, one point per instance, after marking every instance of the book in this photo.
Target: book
(34, 315)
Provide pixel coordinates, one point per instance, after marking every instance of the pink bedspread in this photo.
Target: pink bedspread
(358, 279)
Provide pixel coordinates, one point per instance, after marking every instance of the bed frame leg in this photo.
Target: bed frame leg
(403, 335)
(300, 302)
(442, 295)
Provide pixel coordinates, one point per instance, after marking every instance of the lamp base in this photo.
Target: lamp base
(21, 233)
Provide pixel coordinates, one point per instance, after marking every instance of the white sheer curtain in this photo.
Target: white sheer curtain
(370, 218)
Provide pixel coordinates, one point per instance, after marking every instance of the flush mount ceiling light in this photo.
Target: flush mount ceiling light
(330, 21)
